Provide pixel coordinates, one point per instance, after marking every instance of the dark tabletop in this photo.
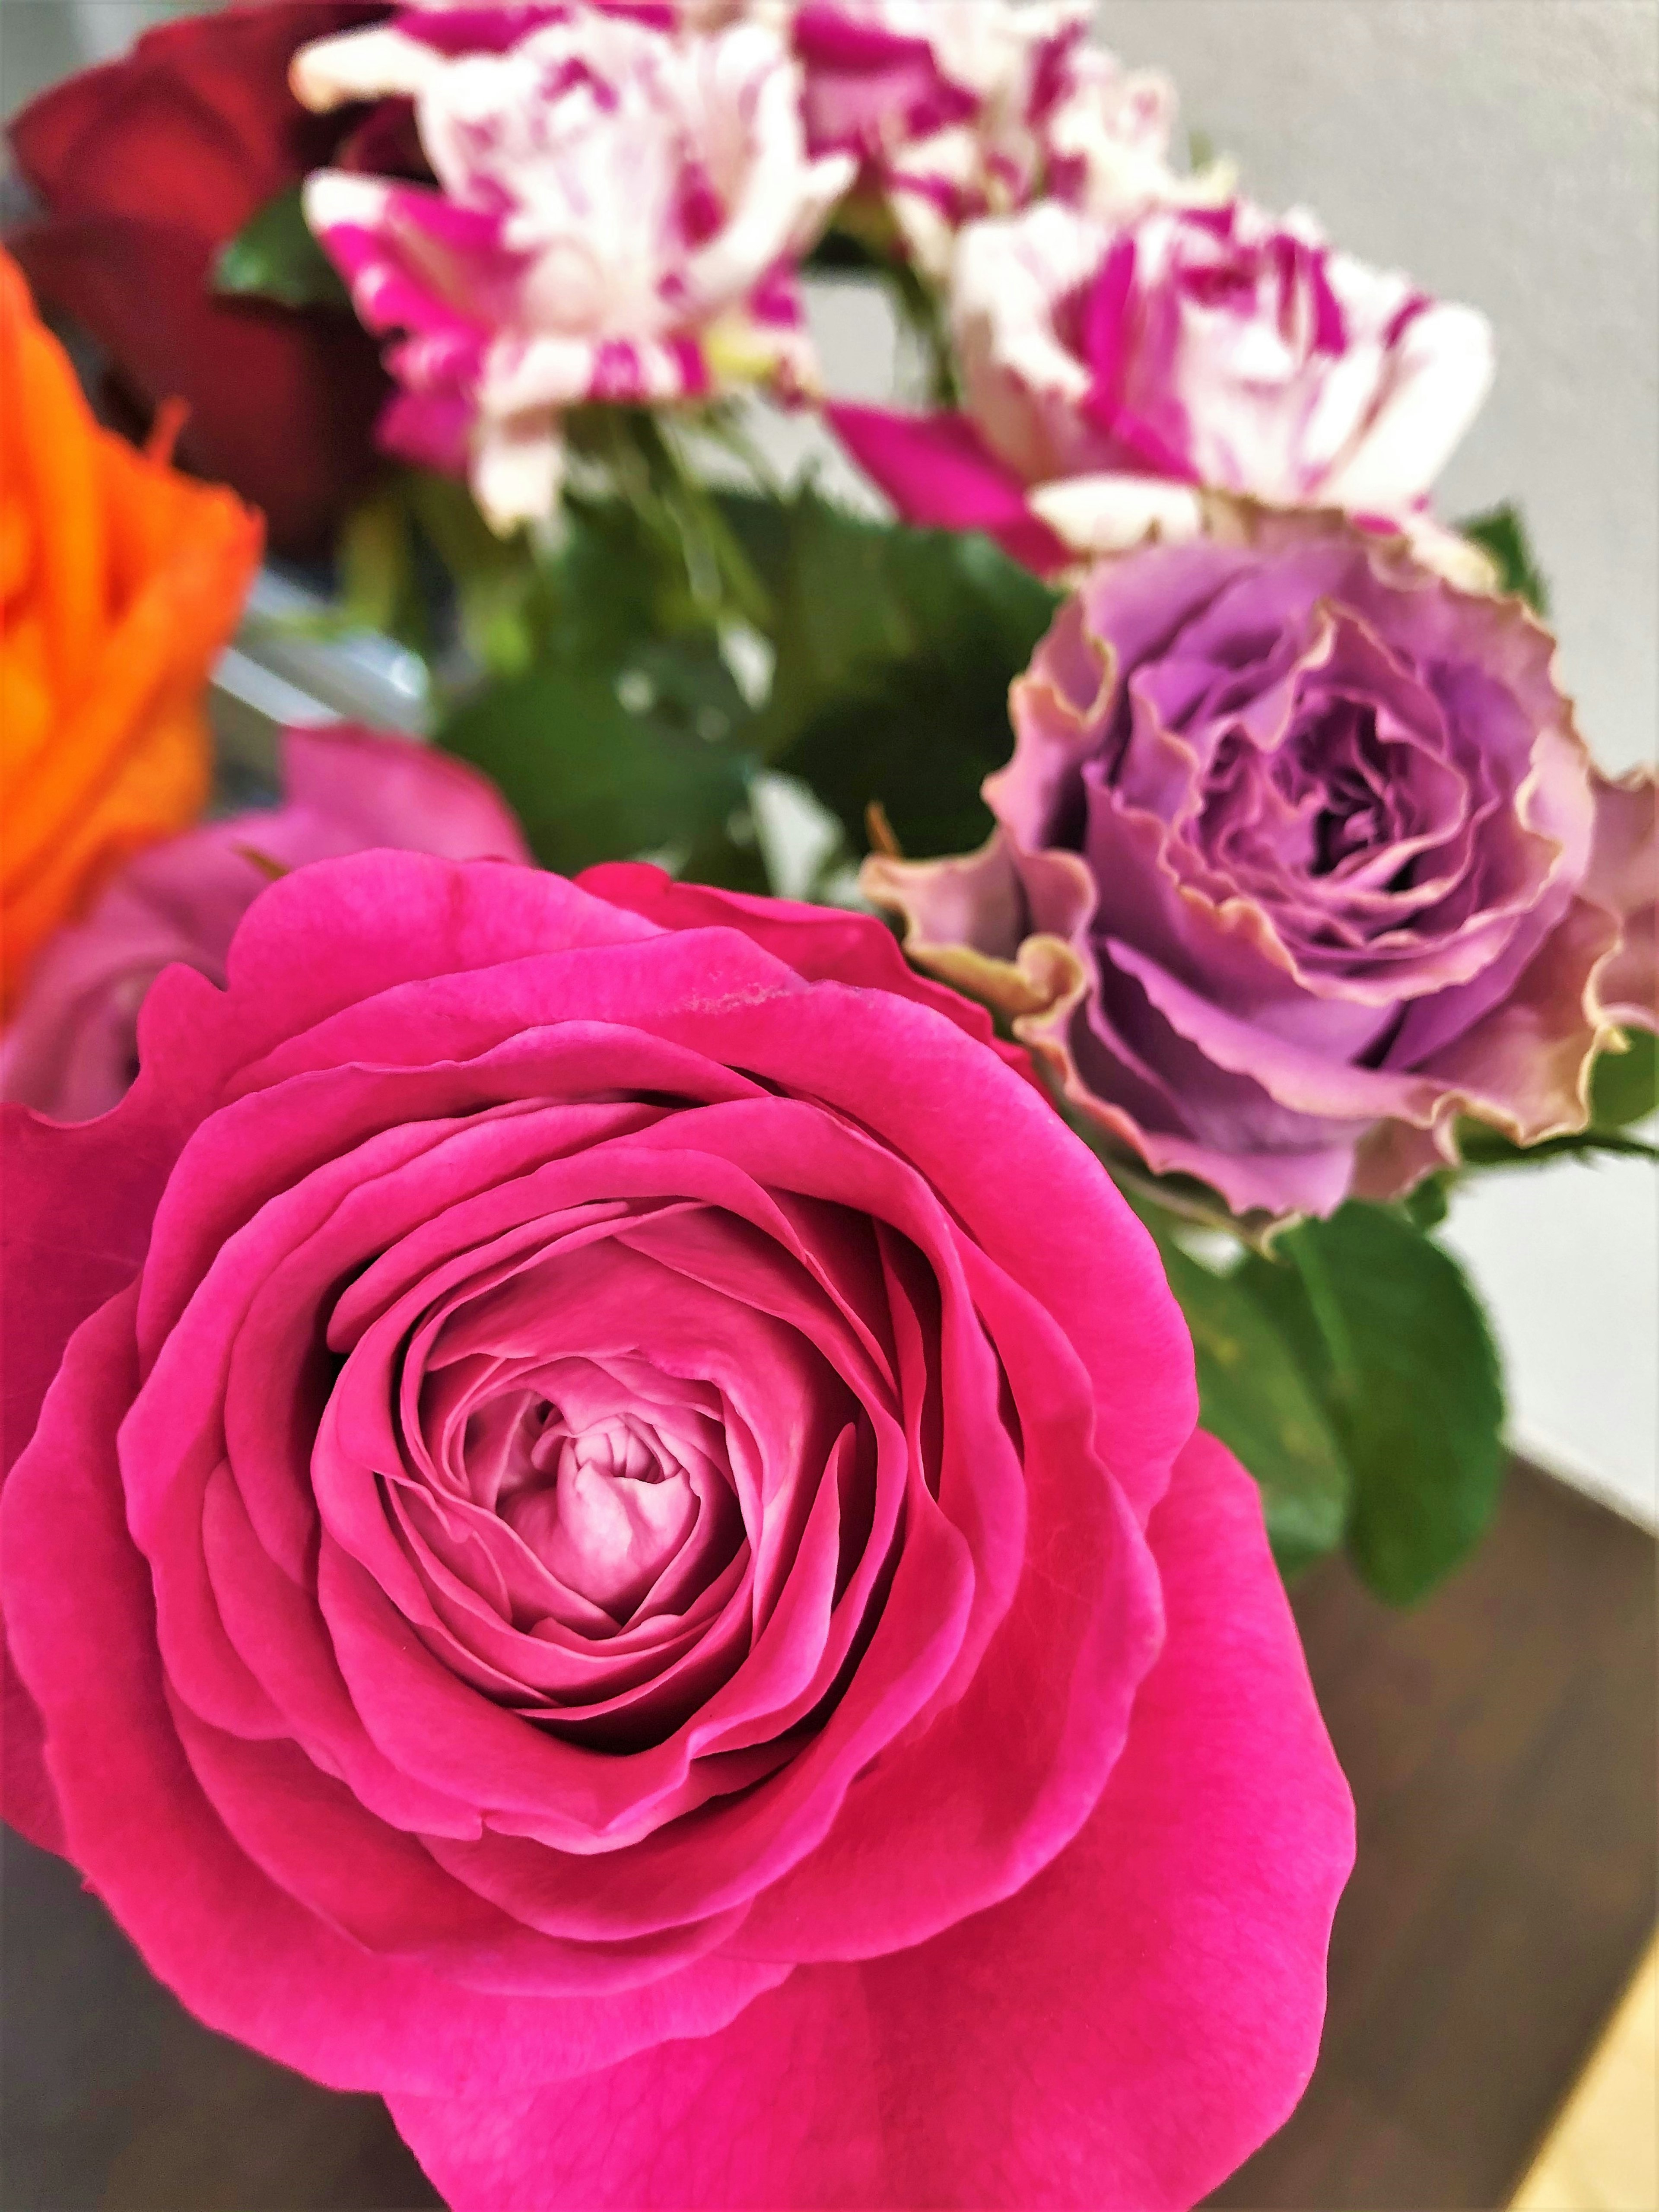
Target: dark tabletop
(1501, 1741)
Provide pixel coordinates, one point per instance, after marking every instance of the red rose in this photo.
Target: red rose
(148, 167)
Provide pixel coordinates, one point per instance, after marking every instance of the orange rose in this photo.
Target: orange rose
(119, 581)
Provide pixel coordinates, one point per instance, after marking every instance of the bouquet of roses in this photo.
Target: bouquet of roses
(606, 1530)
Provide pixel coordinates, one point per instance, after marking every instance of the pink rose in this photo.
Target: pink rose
(961, 108)
(618, 208)
(1115, 373)
(70, 1049)
(576, 1554)
(1300, 859)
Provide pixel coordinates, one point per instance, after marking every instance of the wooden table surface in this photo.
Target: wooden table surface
(1501, 1741)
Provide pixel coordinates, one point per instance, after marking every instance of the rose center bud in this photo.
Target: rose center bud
(1339, 833)
(613, 1507)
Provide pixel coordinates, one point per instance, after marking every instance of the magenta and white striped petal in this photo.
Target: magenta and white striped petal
(621, 195)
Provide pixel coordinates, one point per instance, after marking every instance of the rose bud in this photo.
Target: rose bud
(71, 1049)
(121, 581)
(1300, 858)
(618, 213)
(149, 166)
(577, 1556)
(1116, 373)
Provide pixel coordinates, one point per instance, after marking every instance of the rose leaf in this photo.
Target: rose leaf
(1428, 1204)
(837, 617)
(275, 256)
(1393, 1340)
(1254, 1396)
(896, 648)
(1625, 1085)
(1501, 532)
(598, 768)
(1486, 1148)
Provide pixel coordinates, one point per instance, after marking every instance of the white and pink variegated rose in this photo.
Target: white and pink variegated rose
(1117, 377)
(621, 195)
(960, 108)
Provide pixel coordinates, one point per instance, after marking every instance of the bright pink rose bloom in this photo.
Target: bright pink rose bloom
(1300, 856)
(1114, 374)
(70, 1049)
(618, 208)
(961, 108)
(589, 1562)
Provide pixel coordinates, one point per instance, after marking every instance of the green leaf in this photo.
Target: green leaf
(590, 779)
(275, 256)
(834, 616)
(1253, 1395)
(1428, 1205)
(919, 739)
(896, 648)
(698, 569)
(377, 587)
(689, 687)
(1482, 1147)
(730, 857)
(1502, 534)
(1389, 1333)
(615, 586)
(614, 725)
(494, 578)
(761, 525)
(1625, 1085)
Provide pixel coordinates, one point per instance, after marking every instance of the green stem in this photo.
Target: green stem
(723, 423)
(918, 306)
(721, 576)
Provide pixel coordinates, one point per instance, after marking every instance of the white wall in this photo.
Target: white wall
(41, 40)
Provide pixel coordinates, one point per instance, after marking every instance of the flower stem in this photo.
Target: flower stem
(720, 571)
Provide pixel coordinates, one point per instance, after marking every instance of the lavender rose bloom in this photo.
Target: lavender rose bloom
(1300, 857)
(72, 1050)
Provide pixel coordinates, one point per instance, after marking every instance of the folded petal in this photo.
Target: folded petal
(1624, 877)
(939, 473)
(1121, 2034)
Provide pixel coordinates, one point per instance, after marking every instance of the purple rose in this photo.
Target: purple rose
(1300, 857)
(72, 1050)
